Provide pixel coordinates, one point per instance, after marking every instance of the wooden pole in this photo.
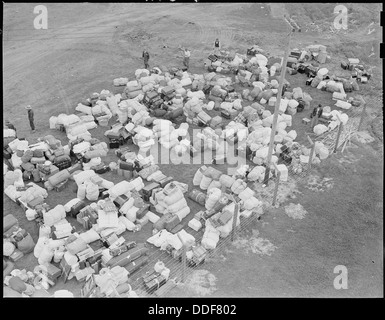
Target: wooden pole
(311, 154)
(184, 264)
(276, 184)
(184, 254)
(338, 137)
(363, 113)
(276, 111)
(235, 217)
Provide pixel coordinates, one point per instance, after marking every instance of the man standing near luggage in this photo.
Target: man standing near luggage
(146, 57)
(31, 117)
(186, 57)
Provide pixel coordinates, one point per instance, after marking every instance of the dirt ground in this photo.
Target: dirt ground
(86, 46)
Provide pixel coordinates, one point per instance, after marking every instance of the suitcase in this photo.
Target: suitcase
(75, 209)
(167, 90)
(203, 117)
(33, 203)
(62, 158)
(61, 186)
(101, 168)
(114, 144)
(171, 222)
(165, 181)
(301, 69)
(225, 114)
(212, 57)
(113, 135)
(147, 190)
(128, 166)
(120, 201)
(64, 165)
(150, 96)
(6, 154)
(178, 228)
(155, 284)
(160, 224)
(142, 211)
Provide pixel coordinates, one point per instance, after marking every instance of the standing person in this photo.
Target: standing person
(146, 57)
(216, 46)
(186, 57)
(31, 117)
(9, 125)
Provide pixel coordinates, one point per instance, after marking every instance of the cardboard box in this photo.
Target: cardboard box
(306, 121)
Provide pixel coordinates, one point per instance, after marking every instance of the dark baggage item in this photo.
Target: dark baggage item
(142, 211)
(113, 135)
(308, 81)
(38, 153)
(178, 228)
(26, 245)
(33, 203)
(61, 186)
(6, 154)
(155, 284)
(62, 158)
(225, 114)
(75, 167)
(75, 209)
(124, 134)
(101, 168)
(167, 90)
(122, 151)
(20, 234)
(165, 181)
(292, 71)
(295, 54)
(120, 201)
(171, 222)
(64, 165)
(53, 272)
(301, 105)
(229, 89)
(147, 190)
(197, 196)
(114, 144)
(123, 248)
(128, 166)
(193, 151)
(212, 57)
(136, 264)
(301, 69)
(207, 88)
(27, 175)
(211, 69)
(128, 256)
(150, 96)
(160, 224)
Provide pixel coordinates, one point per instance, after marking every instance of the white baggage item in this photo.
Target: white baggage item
(195, 224)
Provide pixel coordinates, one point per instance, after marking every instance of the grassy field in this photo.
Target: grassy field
(88, 45)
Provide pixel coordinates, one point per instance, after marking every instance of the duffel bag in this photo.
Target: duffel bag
(26, 245)
(95, 153)
(59, 177)
(38, 153)
(62, 159)
(9, 221)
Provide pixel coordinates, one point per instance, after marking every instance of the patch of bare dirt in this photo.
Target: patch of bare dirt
(295, 211)
(315, 183)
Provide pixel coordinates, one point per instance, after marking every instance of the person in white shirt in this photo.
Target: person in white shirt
(186, 57)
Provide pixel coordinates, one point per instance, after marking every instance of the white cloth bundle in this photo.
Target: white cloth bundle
(54, 215)
(131, 213)
(107, 220)
(130, 226)
(179, 205)
(251, 203)
(89, 236)
(213, 196)
(119, 189)
(182, 213)
(83, 109)
(81, 147)
(205, 182)
(238, 186)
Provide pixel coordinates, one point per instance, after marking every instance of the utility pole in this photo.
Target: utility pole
(276, 111)
(278, 103)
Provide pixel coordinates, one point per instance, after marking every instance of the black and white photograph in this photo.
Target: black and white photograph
(190, 149)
